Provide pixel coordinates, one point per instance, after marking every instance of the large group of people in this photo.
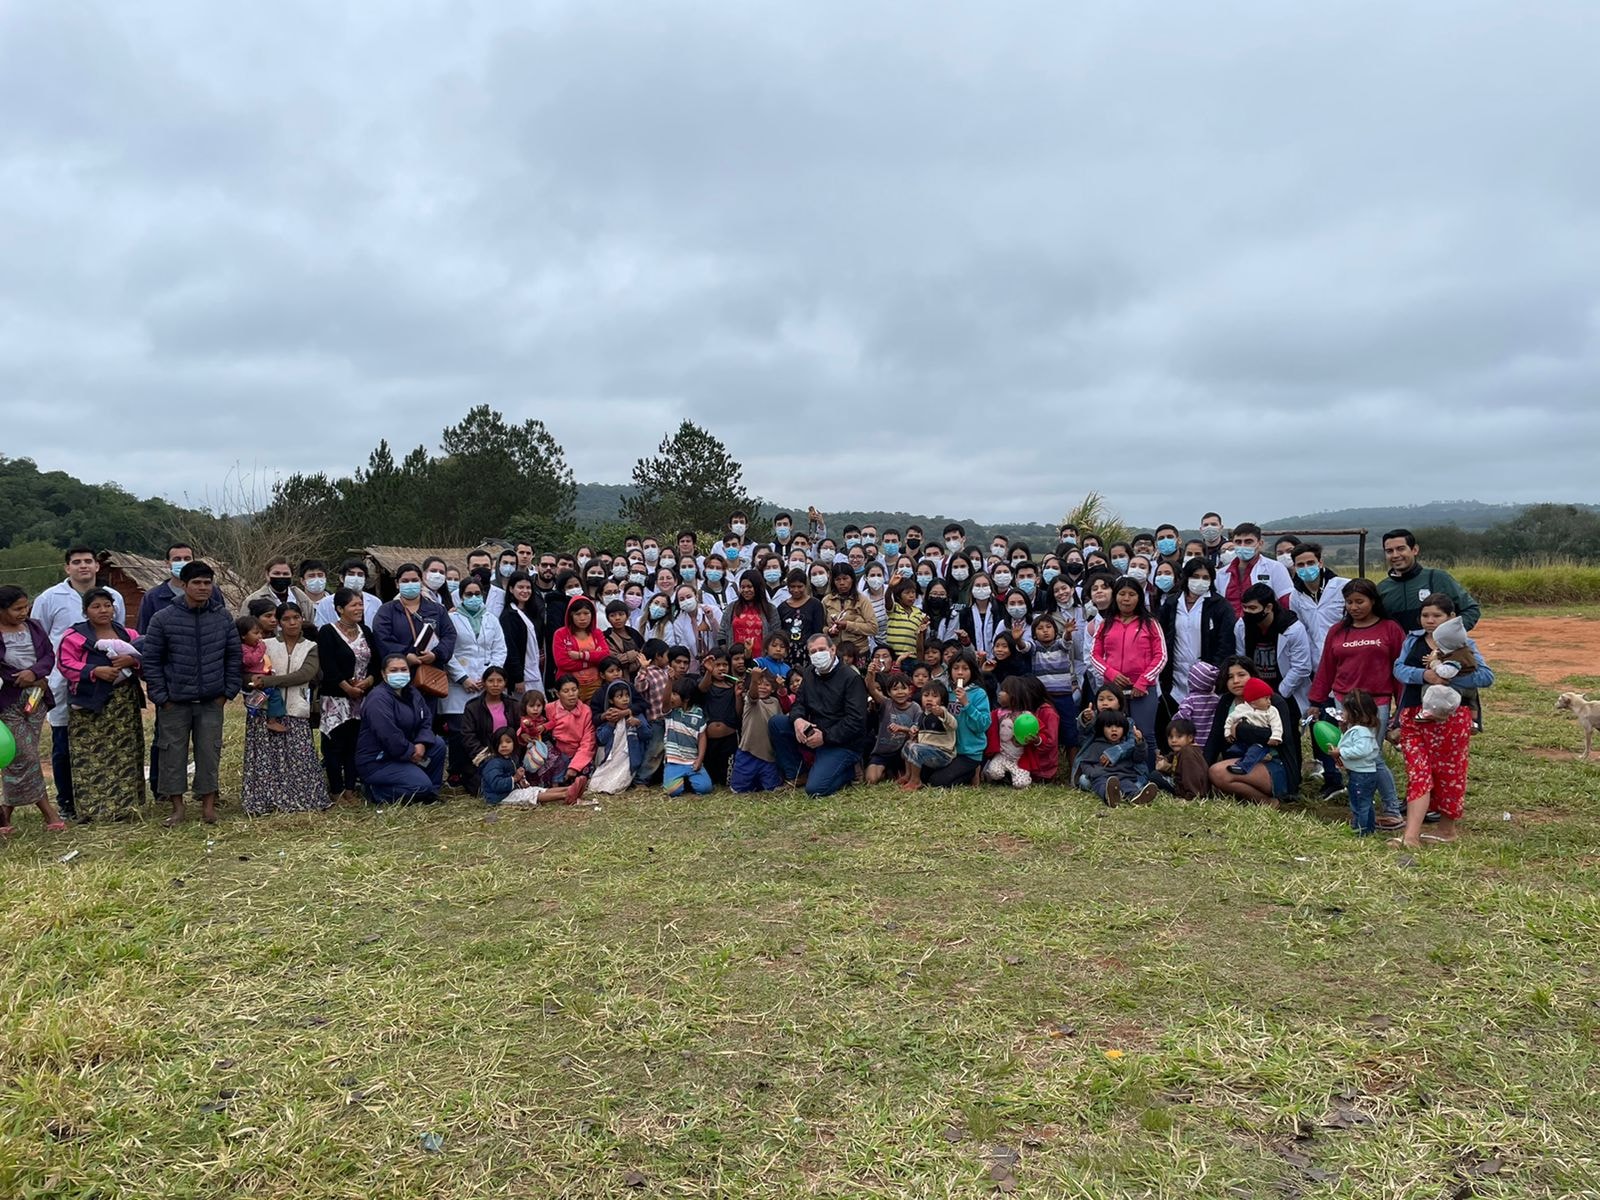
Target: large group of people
(795, 656)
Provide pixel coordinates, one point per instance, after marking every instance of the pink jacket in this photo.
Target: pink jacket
(1132, 648)
(571, 732)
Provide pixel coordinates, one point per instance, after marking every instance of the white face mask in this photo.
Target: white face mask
(1287, 560)
(980, 592)
(952, 544)
(997, 550)
(434, 579)
(1199, 587)
(1138, 573)
(1003, 578)
(1225, 558)
(651, 554)
(875, 583)
(738, 528)
(1017, 611)
(826, 554)
(959, 574)
(355, 582)
(316, 585)
(822, 660)
(819, 581)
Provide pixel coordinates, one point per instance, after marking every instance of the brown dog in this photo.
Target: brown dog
(1587, 712)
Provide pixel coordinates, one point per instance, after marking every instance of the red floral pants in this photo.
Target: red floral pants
(1436, 758)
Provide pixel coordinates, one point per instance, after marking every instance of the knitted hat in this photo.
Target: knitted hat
(1256, 689)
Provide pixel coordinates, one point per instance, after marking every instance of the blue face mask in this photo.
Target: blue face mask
(472, 605)
(782, 531)
(507, 570)
(397, 679)
(771, 576)
(1069, 539)
(1163, 583)
(1167, 545)
(1051, 574)
(891, 548)
(688, 571)
(902, 572)
(1120, 565)
(1244, 553)
(1026, 586)
(713, 574)
(657, 612)
(858, 568)
(177, 569)
(852, 542)
(1309, 574)
(411, 590)
(924, 582)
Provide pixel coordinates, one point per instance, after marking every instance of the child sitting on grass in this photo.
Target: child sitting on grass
(501, 778)
(932, 744)
(685, 743)
(1185, 766)
(1112, 761)
(898, 717)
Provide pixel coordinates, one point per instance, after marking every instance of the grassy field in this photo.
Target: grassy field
(968, 994)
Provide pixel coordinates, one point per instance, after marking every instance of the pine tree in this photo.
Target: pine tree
(691, 483)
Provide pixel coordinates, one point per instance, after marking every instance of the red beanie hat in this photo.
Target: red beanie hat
(1256, 689)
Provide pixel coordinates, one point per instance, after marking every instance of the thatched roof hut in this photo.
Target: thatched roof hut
(386, 560)
(132, 575)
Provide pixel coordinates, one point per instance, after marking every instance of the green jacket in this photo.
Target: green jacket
(1403, 596)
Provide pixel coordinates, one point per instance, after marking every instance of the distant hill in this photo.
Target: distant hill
(1472, 515)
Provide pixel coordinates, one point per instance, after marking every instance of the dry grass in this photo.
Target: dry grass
(779, 997)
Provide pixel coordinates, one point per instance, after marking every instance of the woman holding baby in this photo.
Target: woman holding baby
(105, 728)
(1436, 665)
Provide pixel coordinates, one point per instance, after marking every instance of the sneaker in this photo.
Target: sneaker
(1333, 791)
(1315, 772)
(1113, 793)
(1433, 818)
(1145, 795)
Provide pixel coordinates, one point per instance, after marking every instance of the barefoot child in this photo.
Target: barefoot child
(542, 766)
(755, 767)
(899, 717)
(501, 777)
(932, 743)
(263, 702)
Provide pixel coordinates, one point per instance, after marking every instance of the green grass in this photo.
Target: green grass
(867, 996)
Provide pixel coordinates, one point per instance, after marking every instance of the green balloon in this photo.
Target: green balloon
(1025, 728)
(1326, 735)
(8, 747)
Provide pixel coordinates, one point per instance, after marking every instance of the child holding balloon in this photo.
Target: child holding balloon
(1358, 752)
(1024, 734)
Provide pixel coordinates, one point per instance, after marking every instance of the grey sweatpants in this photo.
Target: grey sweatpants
(178, 727)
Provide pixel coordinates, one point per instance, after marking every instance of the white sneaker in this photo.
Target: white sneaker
(1315, 772)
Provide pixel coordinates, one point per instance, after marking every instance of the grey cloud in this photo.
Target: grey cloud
(993, 257)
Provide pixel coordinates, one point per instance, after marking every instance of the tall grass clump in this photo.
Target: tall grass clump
(1531, 581)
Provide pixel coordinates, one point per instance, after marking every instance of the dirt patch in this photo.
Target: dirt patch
(1546, 649)
(1550, 754)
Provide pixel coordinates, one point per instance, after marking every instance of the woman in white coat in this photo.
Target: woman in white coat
(480, 644)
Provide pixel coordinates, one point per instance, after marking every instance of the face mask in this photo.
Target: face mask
(574, 592)
(583, 561)
(713, 574)
(1068, 539)
(819, 581)
(507, 570)
(411, 590)
(1309, 574)
(1017, 611)
(772, 575)
(1026, 586)
(657, 611)
(635, 576)
(738, 528)
(1119, 565)
(981, 592)
(1091, 548)
(1002, 579)
(397, 679)
(1051, 574)
(827, 554)
(1199, 587)
(952, 544)
(924, 582)
(279, 587)
(619, 570)
(1287, 560)
(913, 544)
(1244, 553)
(850, 543)
(1139, 574)
(875, 583)
(782, 532)
(434, 579)
(668, 563)
(316, 585)
(355, 582)
(1073, 570)
(1211, 534)
(472, 605)
(858, 568)
(177, 568)
(1189, 558)
(821, 660)
(959, 574)
(902, 572)
(1167, 545)
(1164, 583)
(652, 555)
(633, 602)
(688, 571)
(454, 585)
(1225, 558)
(890, 549)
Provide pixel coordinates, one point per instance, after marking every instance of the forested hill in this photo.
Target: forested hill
(1473, 516)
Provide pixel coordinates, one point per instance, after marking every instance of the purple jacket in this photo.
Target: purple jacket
(45, 655)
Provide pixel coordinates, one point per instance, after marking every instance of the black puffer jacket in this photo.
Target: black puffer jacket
(836, 703)
(191, 655)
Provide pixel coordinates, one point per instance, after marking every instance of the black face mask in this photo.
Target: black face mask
(936, 608)
(1072, 570)
(279, 586)
(913, 544)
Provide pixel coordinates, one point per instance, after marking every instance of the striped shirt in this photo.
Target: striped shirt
(903, 626)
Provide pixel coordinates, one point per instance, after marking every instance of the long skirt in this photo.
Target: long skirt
(107, 749)
(281, 771)
(1436, 758)
(22, 782)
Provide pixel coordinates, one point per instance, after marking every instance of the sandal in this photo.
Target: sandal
(1391, 822)
(1437, 840)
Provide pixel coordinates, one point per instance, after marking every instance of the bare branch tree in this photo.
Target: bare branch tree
(250, 519)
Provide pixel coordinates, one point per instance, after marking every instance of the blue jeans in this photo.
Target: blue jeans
(1142, 712)
(752, 774)
(834, 767)
(1250, 757)
(1362, 785)
(678, 778)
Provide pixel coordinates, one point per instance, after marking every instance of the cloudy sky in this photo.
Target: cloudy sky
(974, 258)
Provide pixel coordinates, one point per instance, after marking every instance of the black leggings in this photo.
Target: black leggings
(957, 774)
(339, 758)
